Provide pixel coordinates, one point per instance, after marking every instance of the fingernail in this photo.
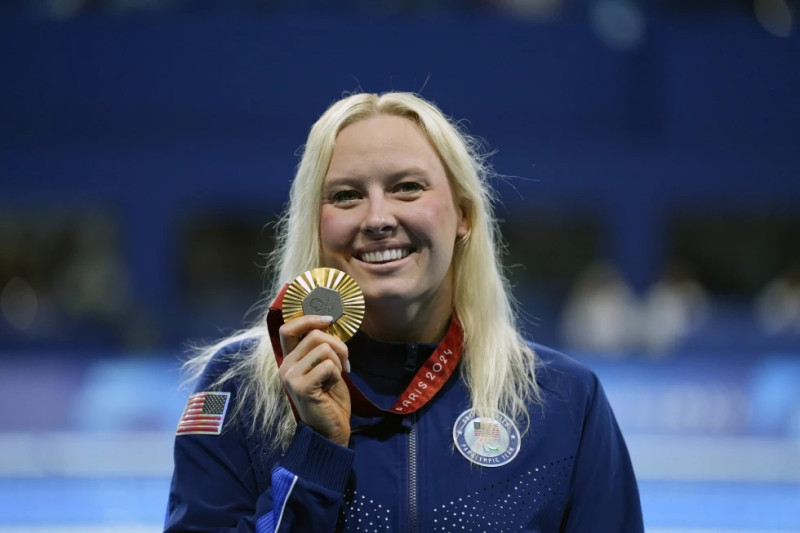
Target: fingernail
(326, 319)
(347, 366)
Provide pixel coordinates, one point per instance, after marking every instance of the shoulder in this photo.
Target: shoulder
(224, 360)
(562, 376)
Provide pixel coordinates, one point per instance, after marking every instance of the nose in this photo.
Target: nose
(379, 219)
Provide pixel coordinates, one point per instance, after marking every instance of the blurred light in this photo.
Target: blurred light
(64, 8)
(620, 24)
(18, 303)
(774, 16)
(532, 9)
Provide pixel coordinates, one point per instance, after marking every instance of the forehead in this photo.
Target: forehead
(380, 129)
(382, 141)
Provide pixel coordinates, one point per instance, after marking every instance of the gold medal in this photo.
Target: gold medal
(326, 291)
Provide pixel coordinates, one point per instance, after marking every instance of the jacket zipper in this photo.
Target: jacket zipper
(412, 475)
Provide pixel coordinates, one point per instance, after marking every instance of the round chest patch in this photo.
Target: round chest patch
(486, 441)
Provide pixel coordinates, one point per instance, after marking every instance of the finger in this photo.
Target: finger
(319, 369)
(317, 356)
(307, 335)
(324, 372)
(292, 332)
(329, 374)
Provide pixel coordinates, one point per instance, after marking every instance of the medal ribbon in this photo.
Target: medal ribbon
(430, 378)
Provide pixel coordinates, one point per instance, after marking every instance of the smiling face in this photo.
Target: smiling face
(388, 218)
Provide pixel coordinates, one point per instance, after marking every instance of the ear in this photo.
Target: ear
(462, 230)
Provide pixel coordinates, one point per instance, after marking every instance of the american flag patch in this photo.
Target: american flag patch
(204, 413)
(486, 429)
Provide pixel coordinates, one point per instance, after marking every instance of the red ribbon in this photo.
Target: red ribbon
(430, 378)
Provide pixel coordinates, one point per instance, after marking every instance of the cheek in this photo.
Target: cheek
(440, 218)
(333, 229)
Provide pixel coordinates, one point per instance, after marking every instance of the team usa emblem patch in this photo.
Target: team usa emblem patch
(486, 441)
(204, 414)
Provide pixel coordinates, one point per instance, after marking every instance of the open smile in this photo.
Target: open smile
(383, 256)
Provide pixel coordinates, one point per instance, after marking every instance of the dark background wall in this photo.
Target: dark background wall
(143, 154)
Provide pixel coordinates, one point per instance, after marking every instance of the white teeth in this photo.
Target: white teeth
(384, 256)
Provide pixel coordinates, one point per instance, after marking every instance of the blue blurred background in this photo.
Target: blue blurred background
(650, 199)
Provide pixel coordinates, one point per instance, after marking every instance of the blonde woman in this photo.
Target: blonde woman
(436, 415)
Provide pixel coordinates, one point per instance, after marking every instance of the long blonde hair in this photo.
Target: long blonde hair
(498, 365)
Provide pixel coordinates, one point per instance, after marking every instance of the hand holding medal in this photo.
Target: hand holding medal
(337, 295)
(321, 309)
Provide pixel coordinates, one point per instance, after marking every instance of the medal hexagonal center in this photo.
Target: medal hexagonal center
(323, 301)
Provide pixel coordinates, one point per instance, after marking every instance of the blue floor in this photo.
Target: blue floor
(716, 505)
(84, 501)
(109, 402)
(675, 505)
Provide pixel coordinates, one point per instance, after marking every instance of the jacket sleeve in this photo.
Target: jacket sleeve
(225, 483)
(604, 494)
(214, 486)
(308, 485)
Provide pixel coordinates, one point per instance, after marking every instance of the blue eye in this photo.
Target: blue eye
(346, 196)
(408, 187)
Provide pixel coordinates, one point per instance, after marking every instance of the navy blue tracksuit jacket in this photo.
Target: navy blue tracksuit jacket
(438, 469)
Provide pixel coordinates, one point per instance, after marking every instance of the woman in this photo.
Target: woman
(436, 415)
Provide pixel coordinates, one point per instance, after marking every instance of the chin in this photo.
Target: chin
(376, 294)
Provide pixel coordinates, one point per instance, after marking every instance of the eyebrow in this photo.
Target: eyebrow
(352, 181)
